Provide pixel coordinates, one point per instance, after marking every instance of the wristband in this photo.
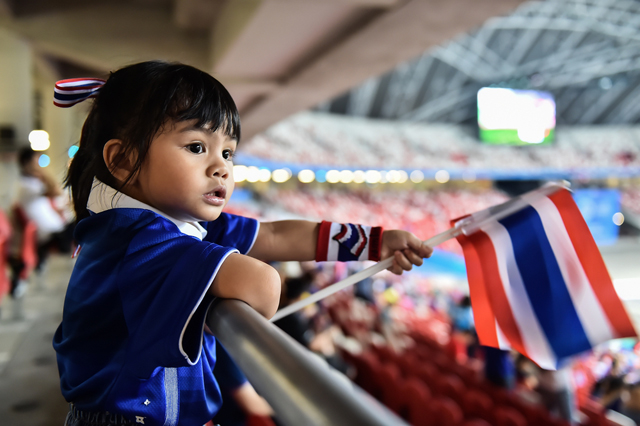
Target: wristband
(347, 241)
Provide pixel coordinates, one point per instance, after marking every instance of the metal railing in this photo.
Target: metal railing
(301, 387)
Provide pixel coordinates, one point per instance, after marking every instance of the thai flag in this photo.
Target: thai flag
(537, 281)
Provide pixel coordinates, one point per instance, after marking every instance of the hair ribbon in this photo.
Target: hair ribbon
(74, 90)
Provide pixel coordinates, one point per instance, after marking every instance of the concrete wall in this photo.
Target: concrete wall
(16, 103)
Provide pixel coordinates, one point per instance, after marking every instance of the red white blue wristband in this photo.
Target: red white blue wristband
(347, 241)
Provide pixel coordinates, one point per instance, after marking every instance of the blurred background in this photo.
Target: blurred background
(400, 113)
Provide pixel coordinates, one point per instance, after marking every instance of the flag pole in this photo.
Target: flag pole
(357, 277)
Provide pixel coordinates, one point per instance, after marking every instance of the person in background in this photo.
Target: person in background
(309, 327)
(556, 391)
(39, 196)
(36, 201)
(499, 367)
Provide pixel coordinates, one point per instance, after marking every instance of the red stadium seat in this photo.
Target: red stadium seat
(451, 386)
(417, 403)
(389, 383)
(428, 373)
(367, 366)
(478, 404)
(476, 422)
(29, 243)
(29, 249)
(5, 238)
(254, 420)
(446, 412)
(507, 416)
(408, 363)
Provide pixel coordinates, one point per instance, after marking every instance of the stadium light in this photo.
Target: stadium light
(416, 176)
(618, 218)
(468, 177)
(372, 176)
(253, 174)
(39, 140)
(333, 176)
(346, 176)
(264, 175)
(358, 176)
(73, 149)
(44, 160)
(306, 176)
(442, 176)
(240, 173)
(281, 175)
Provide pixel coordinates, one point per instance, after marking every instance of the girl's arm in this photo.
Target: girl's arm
(250, 280)
(286, 240)
(289, 240)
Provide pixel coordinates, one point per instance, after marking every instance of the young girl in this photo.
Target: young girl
(149, 182)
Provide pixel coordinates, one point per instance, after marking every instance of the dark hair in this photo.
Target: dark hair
(295, 287)
(133, 106)
(25, 155)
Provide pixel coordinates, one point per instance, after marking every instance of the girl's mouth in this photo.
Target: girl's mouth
(216, 197)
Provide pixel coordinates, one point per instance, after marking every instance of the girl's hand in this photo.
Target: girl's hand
(407, 250)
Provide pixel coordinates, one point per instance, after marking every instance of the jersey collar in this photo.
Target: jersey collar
(103, 198)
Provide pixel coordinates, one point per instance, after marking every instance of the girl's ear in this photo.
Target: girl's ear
(120, 166)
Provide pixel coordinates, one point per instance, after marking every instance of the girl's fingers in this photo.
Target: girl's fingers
(402, 261)
(413, 257)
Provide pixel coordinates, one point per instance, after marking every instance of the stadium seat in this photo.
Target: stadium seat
(507, 416)
(451, 386)
(5, 239)
(367, 366)
(426, 372)
(418, 403)
(389, 383)
(478, 404)
(254, 420)
(446, 412)
(476, 422)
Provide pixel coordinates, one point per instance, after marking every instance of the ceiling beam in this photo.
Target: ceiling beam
(197, 15)
(399, 35)
(108, 37)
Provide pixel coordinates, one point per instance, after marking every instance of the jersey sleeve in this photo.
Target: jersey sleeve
(163, 285)
(233, 231)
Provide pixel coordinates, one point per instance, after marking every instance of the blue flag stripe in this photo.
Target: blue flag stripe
(544, 283)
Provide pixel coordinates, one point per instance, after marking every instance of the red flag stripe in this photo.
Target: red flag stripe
(482, 311)
(495, 290)
(593, 264)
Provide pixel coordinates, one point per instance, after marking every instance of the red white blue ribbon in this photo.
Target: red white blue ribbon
(74, 90)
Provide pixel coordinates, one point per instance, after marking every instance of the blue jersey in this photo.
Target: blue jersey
(131, 339)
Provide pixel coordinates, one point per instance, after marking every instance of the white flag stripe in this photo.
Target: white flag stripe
(594, 321)
(534, 339)
(334, 246)
(503, 342)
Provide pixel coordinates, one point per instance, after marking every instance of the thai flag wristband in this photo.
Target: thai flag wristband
(347, 241)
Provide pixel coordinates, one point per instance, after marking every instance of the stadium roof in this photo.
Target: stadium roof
(586, 52)
(277, 57)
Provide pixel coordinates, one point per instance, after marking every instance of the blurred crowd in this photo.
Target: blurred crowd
(37, 223)
(392, 317)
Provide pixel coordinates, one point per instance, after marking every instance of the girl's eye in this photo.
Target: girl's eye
(196, 148)
(227, 154)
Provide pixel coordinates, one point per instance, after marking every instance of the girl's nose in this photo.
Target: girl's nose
(220, 169)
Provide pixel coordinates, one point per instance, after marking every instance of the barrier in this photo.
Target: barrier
(301, 387)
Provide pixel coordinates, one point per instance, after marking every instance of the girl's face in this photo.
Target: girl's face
(188, 172)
